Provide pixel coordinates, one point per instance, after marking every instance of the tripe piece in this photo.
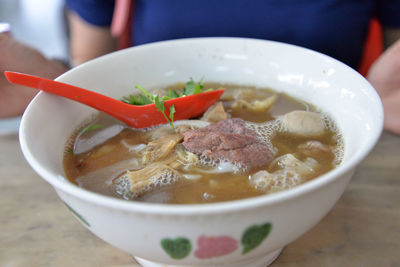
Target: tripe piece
(215, 113)
(256, 105)
(161, 147)
(303, 123)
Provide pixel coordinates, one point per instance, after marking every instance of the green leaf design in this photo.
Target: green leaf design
(254, 235)
(177, 248)
(77, 215)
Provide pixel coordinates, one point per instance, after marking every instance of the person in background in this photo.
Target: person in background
(337, 28)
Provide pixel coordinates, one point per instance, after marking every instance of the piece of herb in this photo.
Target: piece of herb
(145, 98)
(160, 106)
(172, 93)
(136, 100)
(172, 112)
(92, 127)
(192, 88)
(145, 92)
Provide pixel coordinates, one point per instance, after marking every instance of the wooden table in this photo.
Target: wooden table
(363, 228)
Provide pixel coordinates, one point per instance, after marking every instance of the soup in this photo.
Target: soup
(254, 141)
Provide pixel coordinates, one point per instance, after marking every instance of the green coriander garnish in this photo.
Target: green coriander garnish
(171, 112)
(144, 91)
(192, 88)
(160, 106)
(92, 127)
(145, 97)
(141, 99)
(172, 94)
(136, 100)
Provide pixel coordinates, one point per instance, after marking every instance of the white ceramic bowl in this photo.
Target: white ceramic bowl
(248, 232)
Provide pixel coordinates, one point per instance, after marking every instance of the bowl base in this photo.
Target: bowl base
(263, 261)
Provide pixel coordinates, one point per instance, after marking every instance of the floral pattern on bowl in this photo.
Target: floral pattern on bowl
(216, 246)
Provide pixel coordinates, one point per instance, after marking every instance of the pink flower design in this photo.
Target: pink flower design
(215, 246)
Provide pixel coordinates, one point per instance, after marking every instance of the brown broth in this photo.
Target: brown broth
(110, 153)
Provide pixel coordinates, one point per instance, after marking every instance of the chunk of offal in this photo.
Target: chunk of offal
(288, 172)
(161, 147)
(215, 113)
(303, 123)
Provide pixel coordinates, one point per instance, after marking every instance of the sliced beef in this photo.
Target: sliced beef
(229, 140)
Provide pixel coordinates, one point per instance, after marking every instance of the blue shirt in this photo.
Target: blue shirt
(334, 27)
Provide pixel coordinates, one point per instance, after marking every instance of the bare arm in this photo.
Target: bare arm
(16, 56)
(88, 41)
(384, 75)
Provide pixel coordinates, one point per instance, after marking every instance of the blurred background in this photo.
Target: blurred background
(40, 24)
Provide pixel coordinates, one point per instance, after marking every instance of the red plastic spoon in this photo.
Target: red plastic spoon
(186, 107)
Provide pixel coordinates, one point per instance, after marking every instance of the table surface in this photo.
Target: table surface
(363, 228)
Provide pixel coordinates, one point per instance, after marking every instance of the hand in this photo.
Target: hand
(16, 56)
(384, 75)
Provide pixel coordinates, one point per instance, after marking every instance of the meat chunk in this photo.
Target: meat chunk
(154, 175)
(285, 172)
(186, 157)
(215, 113)
(303, 123)
(229, 140)
(274, 182)
(315, 149)
(234, 126)
(134, 183)
(290, 162)
(257, 105)
(161, 147)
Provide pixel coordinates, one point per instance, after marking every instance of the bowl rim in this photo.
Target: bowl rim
(208, 208)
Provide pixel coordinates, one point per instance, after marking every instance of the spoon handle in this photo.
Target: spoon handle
(100, 102)
(135, 116)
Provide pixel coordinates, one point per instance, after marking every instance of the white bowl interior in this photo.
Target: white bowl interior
(335, 88)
